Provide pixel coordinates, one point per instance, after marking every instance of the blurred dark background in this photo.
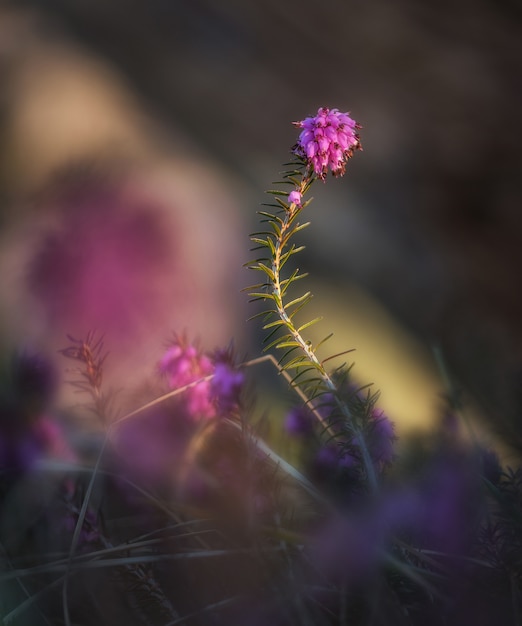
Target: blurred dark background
(426, 225)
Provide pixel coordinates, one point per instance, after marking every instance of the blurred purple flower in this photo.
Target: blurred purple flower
(226, 386)
(330, 459)
(327, 141)
(23, 446)
(51, 439)
(299, 422)
(446, 506)
(440, 512)
(327, 458)
(27, 433)
(347, 460)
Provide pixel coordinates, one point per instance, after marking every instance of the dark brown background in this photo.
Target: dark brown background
(429, 221)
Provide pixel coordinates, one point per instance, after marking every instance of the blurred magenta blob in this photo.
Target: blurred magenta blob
(108, 264)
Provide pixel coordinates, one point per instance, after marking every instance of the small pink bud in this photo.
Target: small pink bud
(294, 197)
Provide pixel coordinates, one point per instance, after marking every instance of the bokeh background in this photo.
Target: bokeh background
(137, 138)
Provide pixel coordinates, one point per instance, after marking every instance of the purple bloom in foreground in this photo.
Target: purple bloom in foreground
(331, 460)
(21, 448)
(327, 141)
(226, 386)
(299, 422)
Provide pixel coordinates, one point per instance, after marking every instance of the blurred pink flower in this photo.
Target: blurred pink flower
(103, 266)
(183, 365)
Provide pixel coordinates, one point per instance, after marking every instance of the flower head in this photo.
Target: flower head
(327, 141)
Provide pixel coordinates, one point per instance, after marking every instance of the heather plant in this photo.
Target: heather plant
(186, 509)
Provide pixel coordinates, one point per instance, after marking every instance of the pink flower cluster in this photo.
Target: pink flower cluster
(184, 364)
(327, 141)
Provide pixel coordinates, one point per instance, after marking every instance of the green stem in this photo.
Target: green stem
(291, 214)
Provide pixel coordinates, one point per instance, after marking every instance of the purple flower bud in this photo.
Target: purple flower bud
(294, 197)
